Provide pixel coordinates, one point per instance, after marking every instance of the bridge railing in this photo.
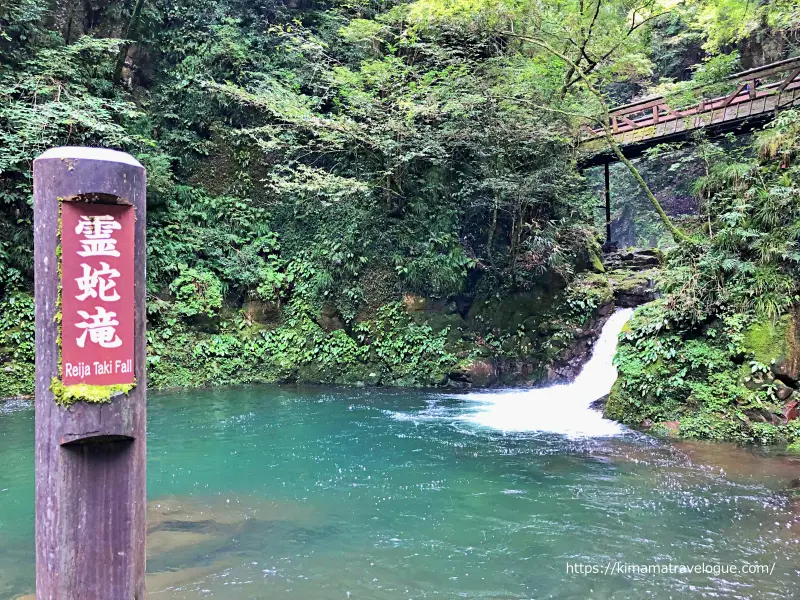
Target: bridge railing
(751, 88)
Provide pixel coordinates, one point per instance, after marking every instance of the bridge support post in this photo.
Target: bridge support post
(606, 172)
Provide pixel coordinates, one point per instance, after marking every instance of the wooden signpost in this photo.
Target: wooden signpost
(91, 385)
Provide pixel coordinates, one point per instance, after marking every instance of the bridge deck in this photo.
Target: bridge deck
(648, 122)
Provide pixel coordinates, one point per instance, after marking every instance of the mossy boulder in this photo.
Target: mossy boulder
(474, 372)
(787, 367)
(595, 262)
(593, 287)
(767, 339)
(632, 288)
(590, 258)
(776, 344)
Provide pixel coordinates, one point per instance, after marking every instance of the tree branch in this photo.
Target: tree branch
(677, 234)
(593, 63)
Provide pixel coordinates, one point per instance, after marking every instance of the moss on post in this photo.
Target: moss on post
(66, 395)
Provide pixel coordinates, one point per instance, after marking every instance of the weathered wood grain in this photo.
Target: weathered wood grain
(90, 458)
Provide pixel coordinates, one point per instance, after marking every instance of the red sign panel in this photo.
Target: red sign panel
(96, 293)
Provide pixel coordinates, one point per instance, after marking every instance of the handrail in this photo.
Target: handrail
(764, 71)
(750, 89)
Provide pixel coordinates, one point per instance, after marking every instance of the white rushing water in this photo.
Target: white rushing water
(562, 408)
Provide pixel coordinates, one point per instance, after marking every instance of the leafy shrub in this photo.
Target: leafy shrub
(197, 293)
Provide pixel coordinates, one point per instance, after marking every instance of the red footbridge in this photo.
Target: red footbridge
(758, 94)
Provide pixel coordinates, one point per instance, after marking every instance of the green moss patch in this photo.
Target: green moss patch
(766, 339)
(66, 395)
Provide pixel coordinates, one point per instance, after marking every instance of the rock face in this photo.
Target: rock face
(599, 404)
(776, 344)
(786, 367)
(632, 288)
(634, 260)
(632, 274)
(474, 373)
(329, 318)
(791, 410)
(575, 355)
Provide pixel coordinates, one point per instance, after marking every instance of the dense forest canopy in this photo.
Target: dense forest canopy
(316, 168)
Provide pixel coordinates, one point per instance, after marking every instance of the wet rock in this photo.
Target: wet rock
(163, 581)
(578, 348)
(791, 410)
(475, 372)
(413, 303)
(600, 403)
(634, 260)
(329, 318)
(606, 309)
(632, 288)
(782, 391)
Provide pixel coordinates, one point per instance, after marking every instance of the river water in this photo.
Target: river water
(317, 493)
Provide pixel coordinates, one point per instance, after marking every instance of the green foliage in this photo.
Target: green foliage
(702, 355)
(51, 94)
(586, 294)
(17, 344)
(709, 80)
(16, 328)
(746, 257)
(307, 167)
(713, 378)
(196, 293)
(391, 349)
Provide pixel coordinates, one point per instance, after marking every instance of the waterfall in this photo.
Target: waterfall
(563, 408)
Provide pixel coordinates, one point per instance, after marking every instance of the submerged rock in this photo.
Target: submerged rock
(166, 541)
(162, 582)
(223, 511)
